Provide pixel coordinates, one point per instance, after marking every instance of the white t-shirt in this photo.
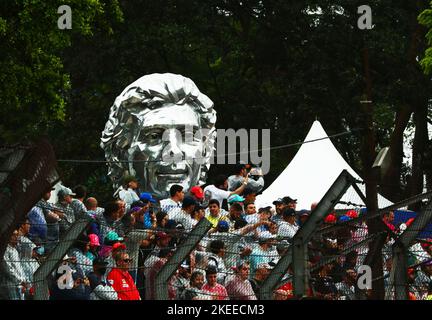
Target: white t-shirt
(287, 229)
(217, 193)
(252, 218)
(185, 219)
(171, 207)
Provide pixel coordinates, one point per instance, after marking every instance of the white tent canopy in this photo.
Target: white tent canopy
(311, 173)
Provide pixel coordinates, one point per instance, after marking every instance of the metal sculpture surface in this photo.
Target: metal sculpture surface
(161, 129)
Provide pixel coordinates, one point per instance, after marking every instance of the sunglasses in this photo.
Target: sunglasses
(127, 260)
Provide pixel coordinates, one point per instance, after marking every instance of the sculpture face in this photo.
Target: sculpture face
(152, 134)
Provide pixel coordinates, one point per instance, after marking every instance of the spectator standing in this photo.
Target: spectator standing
(263, 252)
(346, 288)
(219, 190)
(77, 203)
(28, 252)
(238, 286)
(64, 202)
(240, 175)
(215, 290)
(79, 251)
(13, 284)
(120, 278)
(195, 292)
(129, 191)
(172, 205)
(288, 227)
(215, 213)
(261, 274)
(185, 215)
(101, 288)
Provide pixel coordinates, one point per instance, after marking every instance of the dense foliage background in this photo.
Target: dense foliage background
(266, 64)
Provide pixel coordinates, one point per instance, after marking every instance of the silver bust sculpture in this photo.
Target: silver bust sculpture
(143, 131)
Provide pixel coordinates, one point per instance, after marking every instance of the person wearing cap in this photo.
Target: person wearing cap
(235, 198)
(120, 278)
(101, 288)
(238, 286)
(197, 193)
(64, 201)
(263, 253)
(303, 216)
(185, 215)
(172, 205)
(261, 274)
(181, 280)
(280, 205)
(215, 290)
(219, 190)
(239, 177)
(77, 203)
(92, 253)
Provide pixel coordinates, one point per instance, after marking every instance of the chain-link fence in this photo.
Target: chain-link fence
(239, 254)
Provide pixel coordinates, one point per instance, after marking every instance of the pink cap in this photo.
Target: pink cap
(94, 240)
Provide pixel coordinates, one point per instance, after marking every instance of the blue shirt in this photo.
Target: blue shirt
(38, 225)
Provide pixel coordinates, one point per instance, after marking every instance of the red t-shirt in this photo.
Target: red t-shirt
(217, 292)
(123, 284)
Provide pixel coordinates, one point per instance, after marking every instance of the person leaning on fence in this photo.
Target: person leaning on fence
(288, 226)
(238, 286)
(261, 274)
(185, 215)
(195, 292)
(181, 281)
(29, 253)
(101, 288)
(346, 288)
(120, 278)
(64, 200)
(13, 280)
(215, 290)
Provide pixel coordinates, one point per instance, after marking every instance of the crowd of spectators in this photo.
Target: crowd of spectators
(231, 262)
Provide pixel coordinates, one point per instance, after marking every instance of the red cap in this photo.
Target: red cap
(331, 218)
(352, 214)
(119, 245)
(198, 192)
(162, 235)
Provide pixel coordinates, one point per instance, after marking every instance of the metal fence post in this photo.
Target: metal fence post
(302, 237)
(45, 269)
(183, 250)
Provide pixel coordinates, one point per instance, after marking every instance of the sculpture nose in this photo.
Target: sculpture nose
(172, 150)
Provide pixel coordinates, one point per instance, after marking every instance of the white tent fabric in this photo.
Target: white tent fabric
(311, 173)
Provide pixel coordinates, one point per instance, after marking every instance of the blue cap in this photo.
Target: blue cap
(344, 218)
(223, 226)
(146, 196)
(235, 198)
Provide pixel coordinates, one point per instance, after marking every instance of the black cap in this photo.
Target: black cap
(279, 200)
(287, 200)
(100, 262)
